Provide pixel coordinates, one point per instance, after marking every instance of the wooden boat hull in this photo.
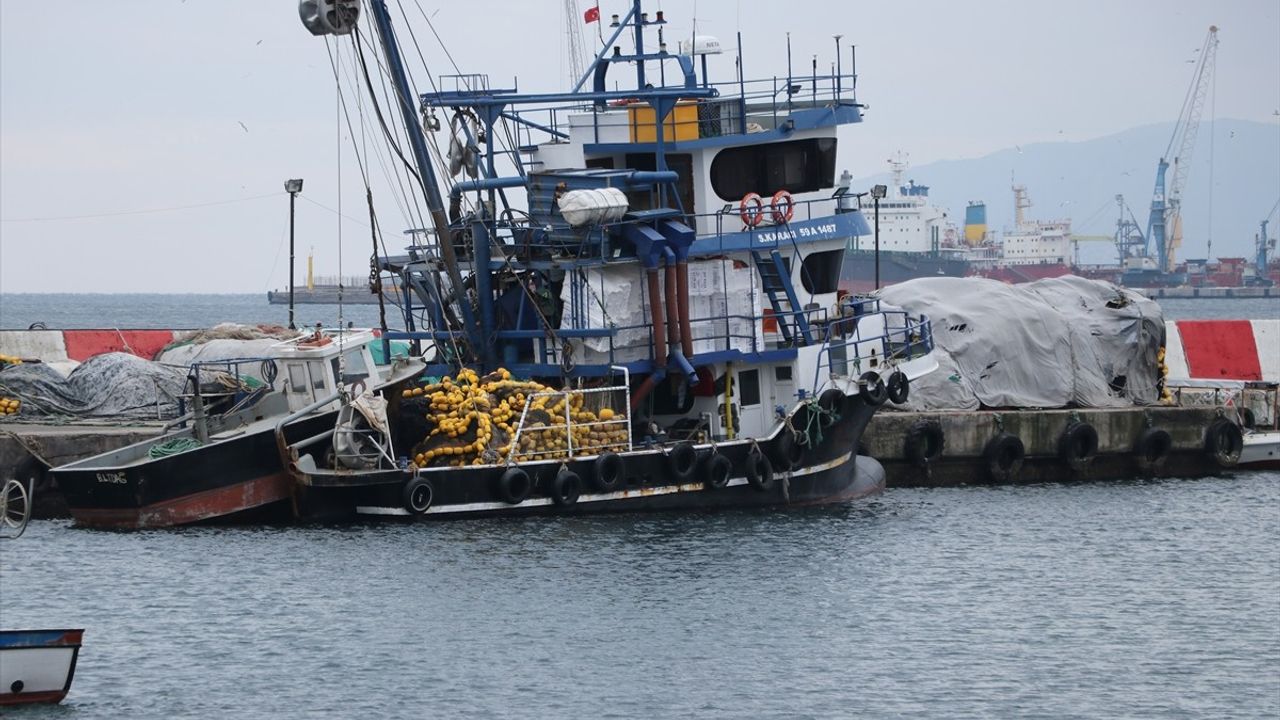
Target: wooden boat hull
(221, 480)
(37, 666)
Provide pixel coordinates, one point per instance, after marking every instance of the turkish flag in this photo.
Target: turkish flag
(591, 15)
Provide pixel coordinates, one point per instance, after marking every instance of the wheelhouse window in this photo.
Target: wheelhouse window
(749, 387)
(795, 166)
(680, 163)
(297, 377)
(820, 271)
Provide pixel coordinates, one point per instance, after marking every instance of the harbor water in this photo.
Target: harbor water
(1131, 599)
(1090, 600)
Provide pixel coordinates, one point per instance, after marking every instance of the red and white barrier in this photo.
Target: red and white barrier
(1223, 350)
(59, 346)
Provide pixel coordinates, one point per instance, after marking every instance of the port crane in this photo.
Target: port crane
(1164, 226)
(1264, 246)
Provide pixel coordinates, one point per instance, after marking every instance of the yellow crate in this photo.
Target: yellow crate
(680, 125)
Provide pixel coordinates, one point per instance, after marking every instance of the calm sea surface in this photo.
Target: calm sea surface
(1096, 600)
(1107, 600)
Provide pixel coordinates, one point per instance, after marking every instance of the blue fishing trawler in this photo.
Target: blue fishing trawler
(628, 298)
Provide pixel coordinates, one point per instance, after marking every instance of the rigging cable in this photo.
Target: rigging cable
(457, 294)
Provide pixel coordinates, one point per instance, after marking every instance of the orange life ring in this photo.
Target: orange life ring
(782, 207)
(751, 209)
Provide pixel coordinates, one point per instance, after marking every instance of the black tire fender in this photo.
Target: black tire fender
(832, 404)
(682, 461)
(759, 470)
(1152, 449)
(925, 442)
(785, 452)
(717, 471)
(872, 388)
(418, 495)
(606, 473)
(898, 387)
(513, 486)
(1078, 445)
(1004, 454)
(1223, 441)
(566, 486)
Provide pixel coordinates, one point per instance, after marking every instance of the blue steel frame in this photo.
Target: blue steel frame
(492, 105)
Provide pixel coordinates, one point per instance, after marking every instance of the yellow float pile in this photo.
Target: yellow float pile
(9, 360)
(10, 406)
(474, 420)
(1162, 372)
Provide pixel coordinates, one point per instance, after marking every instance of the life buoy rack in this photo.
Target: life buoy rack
(1223, 441)
(782, 207)
(566, 487)
(1004, 455)
(1152, 449)
(751, 209)
(315, 339)
(1078, 445)
(925, 442)
(759, 470)
(718, 469)
(607, 472)
(417, 495)
(513, 486)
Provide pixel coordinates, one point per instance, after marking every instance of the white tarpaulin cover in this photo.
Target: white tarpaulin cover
(1050, 343)
(616, 298)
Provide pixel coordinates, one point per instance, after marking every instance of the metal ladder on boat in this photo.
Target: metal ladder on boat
(775, 280)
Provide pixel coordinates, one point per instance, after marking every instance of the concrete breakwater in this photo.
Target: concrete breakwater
(996, 446)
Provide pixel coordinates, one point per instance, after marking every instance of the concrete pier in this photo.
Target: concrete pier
(1214, 293)
(966, 435)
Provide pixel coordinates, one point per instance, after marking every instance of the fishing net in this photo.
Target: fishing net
(111, 385)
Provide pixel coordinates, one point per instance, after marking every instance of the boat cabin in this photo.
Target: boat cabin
(313, 367)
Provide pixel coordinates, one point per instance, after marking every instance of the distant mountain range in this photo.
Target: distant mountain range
(1079, 180)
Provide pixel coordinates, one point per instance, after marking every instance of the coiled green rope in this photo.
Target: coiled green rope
(173, 447)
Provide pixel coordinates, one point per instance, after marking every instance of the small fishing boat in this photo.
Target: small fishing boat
(633, 300)
(36, 666)
(225, 463)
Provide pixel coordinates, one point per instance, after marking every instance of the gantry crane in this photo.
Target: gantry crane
(1164, 228)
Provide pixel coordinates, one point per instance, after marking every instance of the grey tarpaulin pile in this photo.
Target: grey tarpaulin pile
(226, 341)
(1058, 342)
(111, 385)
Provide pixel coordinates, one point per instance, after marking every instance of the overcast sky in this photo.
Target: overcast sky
(116, 108)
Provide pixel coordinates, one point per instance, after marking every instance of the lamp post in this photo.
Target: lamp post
(293, 187)
(878, 192)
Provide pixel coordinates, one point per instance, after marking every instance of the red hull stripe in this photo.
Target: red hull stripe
(84, 344)
(191, 508)
(1220, 349)
(31, 698)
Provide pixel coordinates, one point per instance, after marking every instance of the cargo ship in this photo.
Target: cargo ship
(915, 237)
